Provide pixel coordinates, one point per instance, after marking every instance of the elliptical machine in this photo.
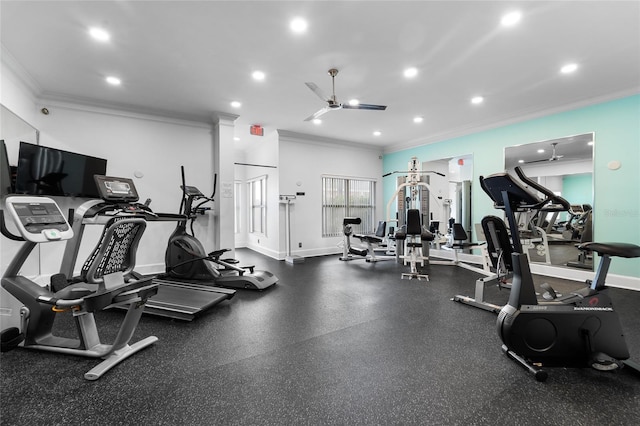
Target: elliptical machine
(579, 329)
(186, 258)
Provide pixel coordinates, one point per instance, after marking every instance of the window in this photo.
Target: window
(347, 197)
(258, 205)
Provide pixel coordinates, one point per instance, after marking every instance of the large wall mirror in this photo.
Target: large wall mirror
(13, 129)
(565, 166)
(451, 193)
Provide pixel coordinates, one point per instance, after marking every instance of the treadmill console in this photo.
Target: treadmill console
(38, 219)
(116, 189)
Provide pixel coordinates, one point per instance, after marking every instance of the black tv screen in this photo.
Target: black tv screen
(50, 171)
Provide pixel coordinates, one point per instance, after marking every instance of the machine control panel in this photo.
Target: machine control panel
(38, 219)
(116, 189)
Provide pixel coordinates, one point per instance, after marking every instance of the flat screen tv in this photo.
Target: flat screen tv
(50, 171)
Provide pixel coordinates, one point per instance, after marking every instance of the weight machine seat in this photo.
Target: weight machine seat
(351, 221)
(612, 249)
(460, 236)
(373, 239)
(413, 228)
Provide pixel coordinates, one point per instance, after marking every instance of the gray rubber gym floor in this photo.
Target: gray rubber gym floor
(333, 343)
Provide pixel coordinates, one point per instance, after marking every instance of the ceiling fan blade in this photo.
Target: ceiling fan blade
(318, 114)
(365, 106)
(315, 89)
(546, 160)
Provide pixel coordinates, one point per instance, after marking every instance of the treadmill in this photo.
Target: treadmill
(175, 299)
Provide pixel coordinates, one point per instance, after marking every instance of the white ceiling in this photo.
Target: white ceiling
(192, 58)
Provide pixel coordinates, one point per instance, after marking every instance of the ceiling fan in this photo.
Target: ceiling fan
(332, 101)
(554, 156)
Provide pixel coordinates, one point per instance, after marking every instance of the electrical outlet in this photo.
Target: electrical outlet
(299, 245)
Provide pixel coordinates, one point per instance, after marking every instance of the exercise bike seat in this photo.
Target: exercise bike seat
(612, 249)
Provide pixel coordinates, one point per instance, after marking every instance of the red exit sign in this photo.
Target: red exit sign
(256, 130)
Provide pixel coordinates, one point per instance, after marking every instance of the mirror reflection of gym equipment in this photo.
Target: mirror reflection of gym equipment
(450, 218)
(565, 165)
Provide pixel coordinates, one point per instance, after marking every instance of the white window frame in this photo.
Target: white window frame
(344, 196)
(237, 214)
(257, 205)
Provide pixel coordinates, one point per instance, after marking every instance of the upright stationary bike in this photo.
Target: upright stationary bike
(579, 329)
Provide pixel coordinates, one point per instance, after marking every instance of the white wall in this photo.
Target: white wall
(302, 162)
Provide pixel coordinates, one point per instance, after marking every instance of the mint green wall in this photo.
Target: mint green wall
(578, 188)
(617, 137)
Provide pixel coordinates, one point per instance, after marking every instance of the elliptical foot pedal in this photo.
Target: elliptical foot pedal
(10, 339)
(231, 260)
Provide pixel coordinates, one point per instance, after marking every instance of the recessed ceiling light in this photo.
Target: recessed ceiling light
(520, 161)
(569, 68)
(511, 18)
(540, 151)
(114, 81)
(236, 104)
(377, 133)
(418, 119)
(477, 100)
(317, 121)
(354, 102)
(235, 138)
(411, 72)
(258, 75)
(99, 34)
(298, 25)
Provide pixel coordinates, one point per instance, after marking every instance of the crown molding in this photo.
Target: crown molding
(515, 117)
(287, 135)
(52, 101)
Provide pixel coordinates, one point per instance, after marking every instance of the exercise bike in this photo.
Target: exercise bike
(186, 258)
(103, 286)
(580, 329)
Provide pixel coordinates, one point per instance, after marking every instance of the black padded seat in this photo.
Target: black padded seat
(378, 238)
(612, 249)
(76, 291)
(414, 228)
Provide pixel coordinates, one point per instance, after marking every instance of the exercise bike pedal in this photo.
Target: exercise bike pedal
(10, 339)
(603, 362)
(549, 292)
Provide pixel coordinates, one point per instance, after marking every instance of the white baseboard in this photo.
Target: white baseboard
(573, 274)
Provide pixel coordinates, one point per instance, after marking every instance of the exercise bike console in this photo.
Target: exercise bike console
(38, 219)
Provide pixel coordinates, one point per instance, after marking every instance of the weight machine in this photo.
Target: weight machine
(412, 195)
